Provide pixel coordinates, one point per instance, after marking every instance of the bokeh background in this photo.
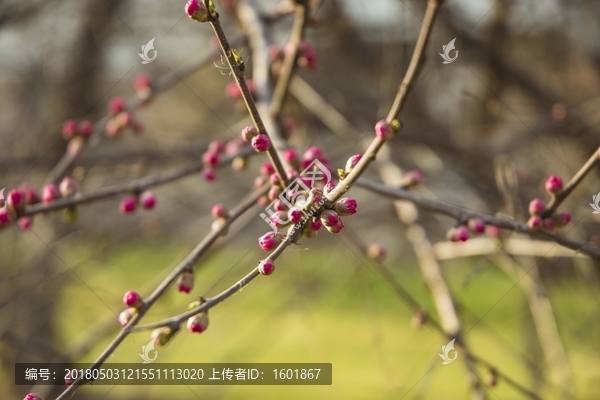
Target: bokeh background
(521, 102)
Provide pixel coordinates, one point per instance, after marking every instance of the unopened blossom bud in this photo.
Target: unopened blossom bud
(219, 211)
(315, 196)
(128, 205)
(549, 224)
(458, 234)
(116, 105)
(50, 193)
(291, 157)
(266, 267)
(412, 178)
(33, 396)
(263, 201)
(376, 252)
(85, 129)
(4, 217)
(267, 169)
(351, 162)
(248, 133)
(69, 129)
(261, 143)
(233, 90)
(562, 219)
(476, 225)
(337, 228)
(123, 119)
(274, 192)
(68, 186)
(492, 231)
(315, 224)
(259, 181)
(328, 188)
(294, 215)
(25, 223)
(111, 129)
(536, 206)
(210, 158)
(279, 218)
(142, 82)
(71, 214)
(383, 130)
(162, 336)
(270, 240)
(198, 323)
(312, 153)
(148, 200)
(218, 224)
(196, 10)
(534, 223)
(15, 199)
(133, 299)
(126, 315)
(554, 184)
(291, 174)
(186, 282)
(345, 206)
(216, 146)
(329, 218)
(209, 174)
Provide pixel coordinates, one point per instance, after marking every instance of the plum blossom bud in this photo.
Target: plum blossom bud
(292, 174)
(383, 130)
(50, 193)
(412, 178)
(85, 129)
(270, 240)
(294, 215)
(554, 184)
(69, 129)
(458, 234)
(219, 211)
(376, 252)
(312, 153)
(315, 224)
(216, 146)
(315, 196)
(267, 169)
(33, 396)
(126, 315)
(328, 188)
(337, 228)
(266, 267)
(279, 218)
(210, 158)
(351, 162)
(148, 200)
(15, 199)
(162, 336)
(198, 323)
(549, 224)
(274, 192)
(116, 105)
(123, 119)
(492, 231)
(536, 206)
(186, 282)
(259, 181)
(68, 186)
(209, 174)
(142, 82)
(329, 218)
(25, 223)
(476, 225)
(196, 10)
(291, 157)
(534, 223)
(133, 299)
(248, 133)
(111, 129)
(4, 217)
(128, 205)
(562, 219)
(261, 143)
(263, 201)
(345, 206)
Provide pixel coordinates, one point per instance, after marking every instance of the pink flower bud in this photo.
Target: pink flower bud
(111, 129)
(126, 315)
(25, 223)
(148, 200)
(312, 153)
(274, 192)
(329, 218)
(209, 174)
(345, 206)
(291, 157)
(270, 240)
(216, 146)
(161, 336)
(142, 82)
(123, 119)
(476, 225)
(492, 231)
(294, 215)
(562, 219)
(291, 174)
(536, 206)
(210, 158)
(248, 133)
(219, 211)
(266, 267)
(412, 178)
(33, 396)
(116, 105)
(261, 143)
(259, 181)
(198, 323)
(186, 282)
(15, 199)
(383, 130)
(69, 129)
(337, 228)
(50, 193)
(267, 169)
(351, 162)
(315, 224)
(549, 224)
(376, 252)
(329, 186)
(554, 184)
(274, 52)
(534, 223)
(128, 205)
(196, 10)
(133, 299)
(263, 201)
(233, 90)
(4, 217)
(274, 179)
(315, 196)
(458, 234)
(85, 129)
(68, 186)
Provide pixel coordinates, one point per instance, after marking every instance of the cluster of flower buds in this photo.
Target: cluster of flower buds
(537, 218)
(71, 129)
(121, 119)
(33, 396)
(197, 10)
(133, 301)
(462, 233)
(129, 204)
(210, 158)
(220, 214)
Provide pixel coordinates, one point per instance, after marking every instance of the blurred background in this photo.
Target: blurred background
(521, 102)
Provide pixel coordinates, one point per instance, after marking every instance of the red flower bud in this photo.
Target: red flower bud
(376, 252)
(562, 219)
(219, 211)
(383, 130)
(50, 193)
(128, 205)
(312, 153)
(248, 133)
(69, 129)
(148, 200)
(315, 224)
(210, 158)
(328, 188)
(294, 215)
(186, 282)
(266, 267)
(536, 206)
(458, 234)
(133, 299)
(68, 186)
(25, 223)
(351, 162)
(534, 223)
(337, 228)
(33, 396)
(198, 323)
(123, 119)
(216, 146)
(259, 181)
(492, 231)
(261, 143)
(4, 217)
(291, 157)
(209, 174)
(85, 129)
(329, 218)
(267, 169)
(15, 199)
(412, 178)
(196, 10)
(345, 206)
(270, 240)
(111, 129)
(116, 105)
(476, 225)
(554, 184)
(274, 192)
(549, 224)
(142, 82)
